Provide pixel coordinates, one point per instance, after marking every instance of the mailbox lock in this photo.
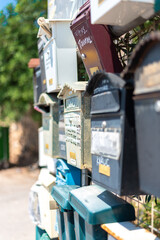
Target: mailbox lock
(157, 106)
(83, 56)
(104, 124)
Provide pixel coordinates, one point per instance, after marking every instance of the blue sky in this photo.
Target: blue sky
(4, 3)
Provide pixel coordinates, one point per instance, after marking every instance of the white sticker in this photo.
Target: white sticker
(106, 144)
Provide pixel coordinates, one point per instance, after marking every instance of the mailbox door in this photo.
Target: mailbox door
(50, 65)
(106, 151)
(73, 138)
(37, 84)
(113, 145)
(42, 66)
(46, 134)
(148, 142)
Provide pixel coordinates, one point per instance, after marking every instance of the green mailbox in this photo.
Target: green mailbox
(4, 145)
(48, 103)
(93, 206)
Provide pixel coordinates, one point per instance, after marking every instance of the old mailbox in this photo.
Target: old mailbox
(37, 84)
(113, 144)
(62, 137)
(94, 43)
(60, 56)
(145, 68)
(42, 66)
(42, 206)
(77, 124)
(49, 105)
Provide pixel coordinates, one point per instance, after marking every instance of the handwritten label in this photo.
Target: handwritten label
(85, 41)
(80, 32)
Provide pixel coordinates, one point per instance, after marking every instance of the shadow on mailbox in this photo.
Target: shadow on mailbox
(113, 145)
(144, 68)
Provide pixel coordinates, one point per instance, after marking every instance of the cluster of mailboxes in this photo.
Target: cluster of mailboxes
(100, 128)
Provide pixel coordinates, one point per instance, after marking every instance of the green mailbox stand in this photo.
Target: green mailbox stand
(4, 145)
(94, 206)
(65, 211)
(48, 103)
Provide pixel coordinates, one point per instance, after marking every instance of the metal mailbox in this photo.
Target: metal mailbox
(42, 205)
(42, 66)
(62, 137)
(147, 110)
(37, 84)
(94, 43)
(77, 124)
(65, 212)
(122, 12)
(113, 143)
(60, 56)
(67, 174)
(49, 105)
(93, 205)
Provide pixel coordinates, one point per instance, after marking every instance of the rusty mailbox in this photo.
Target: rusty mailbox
(94, 43)
(77, 124)
(113, 143)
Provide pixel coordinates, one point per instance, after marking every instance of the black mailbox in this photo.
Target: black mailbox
(37, 86)
(113, 145)
(145, 68)
(42, 66)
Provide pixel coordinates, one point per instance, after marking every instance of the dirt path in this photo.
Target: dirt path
(15, 223)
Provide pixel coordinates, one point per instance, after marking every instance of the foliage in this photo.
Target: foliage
(146, 214)
(126, 43)
(18, 33)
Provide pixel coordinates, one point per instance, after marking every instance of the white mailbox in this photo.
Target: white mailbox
(63, 9)
(60, 56)
(121, 12)
(42, 206)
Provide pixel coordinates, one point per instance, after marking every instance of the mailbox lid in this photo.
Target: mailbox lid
(61, 195)
(105, 102)
(96, 205)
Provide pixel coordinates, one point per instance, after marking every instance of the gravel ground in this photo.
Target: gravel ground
(15, 223)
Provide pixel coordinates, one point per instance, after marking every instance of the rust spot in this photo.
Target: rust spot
(103, 226)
